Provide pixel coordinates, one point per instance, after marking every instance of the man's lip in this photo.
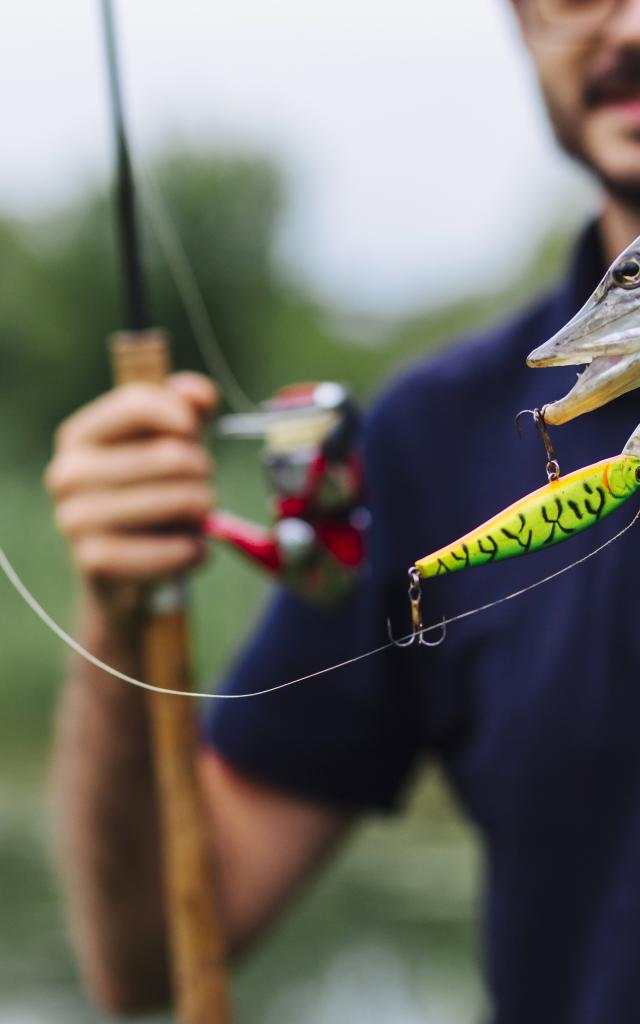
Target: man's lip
(624, 107)
(616, 97)
(626, 111)
(628, 102)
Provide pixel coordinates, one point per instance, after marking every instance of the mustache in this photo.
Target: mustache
(621, 81)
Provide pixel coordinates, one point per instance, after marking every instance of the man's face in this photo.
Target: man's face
(591, 84)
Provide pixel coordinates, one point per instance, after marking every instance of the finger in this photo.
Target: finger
(134, 508)
(138, 558)
(84, 468)
(129, 411)
(198, 390)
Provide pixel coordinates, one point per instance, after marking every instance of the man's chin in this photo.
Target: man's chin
(621, 184)
(611, 149)
(625, 191)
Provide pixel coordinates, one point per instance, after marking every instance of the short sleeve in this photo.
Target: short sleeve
(344, 738)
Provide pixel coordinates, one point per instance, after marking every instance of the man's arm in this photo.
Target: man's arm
(125, 465)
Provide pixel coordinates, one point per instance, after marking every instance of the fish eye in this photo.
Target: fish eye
(627, 273)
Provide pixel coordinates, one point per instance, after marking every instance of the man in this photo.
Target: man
(532, 709)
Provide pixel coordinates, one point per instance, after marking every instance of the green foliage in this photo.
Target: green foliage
(60, 298)
(225, 211)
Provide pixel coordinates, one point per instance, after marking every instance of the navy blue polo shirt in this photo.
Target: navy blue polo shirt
(532, 708)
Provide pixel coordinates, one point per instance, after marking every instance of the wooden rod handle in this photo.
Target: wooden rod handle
(197, 949)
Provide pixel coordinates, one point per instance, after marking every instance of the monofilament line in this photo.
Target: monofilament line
(67, 639)
(190, 293)
(81, 651)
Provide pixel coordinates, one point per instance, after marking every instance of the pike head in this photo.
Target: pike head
(604, 335)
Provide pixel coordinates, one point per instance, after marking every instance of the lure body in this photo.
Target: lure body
(560, 509)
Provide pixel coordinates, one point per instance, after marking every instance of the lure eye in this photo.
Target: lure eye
(638, 474)
(627, 273)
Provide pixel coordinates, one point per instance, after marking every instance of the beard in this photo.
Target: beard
(619, 82)
(625, 190)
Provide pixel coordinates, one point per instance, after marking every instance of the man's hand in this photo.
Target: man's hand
(131, 479)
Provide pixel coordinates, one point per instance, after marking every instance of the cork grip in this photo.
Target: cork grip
(195, 941)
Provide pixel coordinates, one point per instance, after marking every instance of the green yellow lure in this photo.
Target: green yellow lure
(559, 510)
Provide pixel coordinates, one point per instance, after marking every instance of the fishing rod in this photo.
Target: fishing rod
(141, 354)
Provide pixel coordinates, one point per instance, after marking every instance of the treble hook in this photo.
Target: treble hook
(418, 630)
(553, 466)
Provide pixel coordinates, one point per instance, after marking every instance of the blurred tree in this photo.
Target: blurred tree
(60, 294)
(226, 211)
(60, 298)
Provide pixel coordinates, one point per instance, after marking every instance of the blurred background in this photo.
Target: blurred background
(355, 184)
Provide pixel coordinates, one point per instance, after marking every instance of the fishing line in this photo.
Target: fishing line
(168, 239)
(69, 641)
(186, 282)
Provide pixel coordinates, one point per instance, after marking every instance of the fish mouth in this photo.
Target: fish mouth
(604, 379)
(604, 336)
(585, 339)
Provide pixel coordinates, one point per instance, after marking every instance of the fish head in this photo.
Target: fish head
(604, 336)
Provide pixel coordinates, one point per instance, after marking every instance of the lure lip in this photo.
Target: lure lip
(605, 335)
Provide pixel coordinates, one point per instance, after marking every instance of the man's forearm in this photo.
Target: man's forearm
(106, 817)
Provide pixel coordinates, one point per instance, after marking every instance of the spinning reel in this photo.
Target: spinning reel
(316, 543)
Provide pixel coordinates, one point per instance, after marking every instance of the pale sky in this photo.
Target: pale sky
(411, 130)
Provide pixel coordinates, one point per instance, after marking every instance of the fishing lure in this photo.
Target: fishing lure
(564, 507)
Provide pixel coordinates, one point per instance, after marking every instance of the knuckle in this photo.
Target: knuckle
(60, 522)
(51, 477)
(61, 473)
(173, 454)
(198, 460)
(193, 551)
(93, 554)
(69, 518)
(185, 548)
(155, 405)
(72, 429)
(144, 402)
(60, 519)
(134, 391)
(195, 501)
(61, 433)
(140, 398)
